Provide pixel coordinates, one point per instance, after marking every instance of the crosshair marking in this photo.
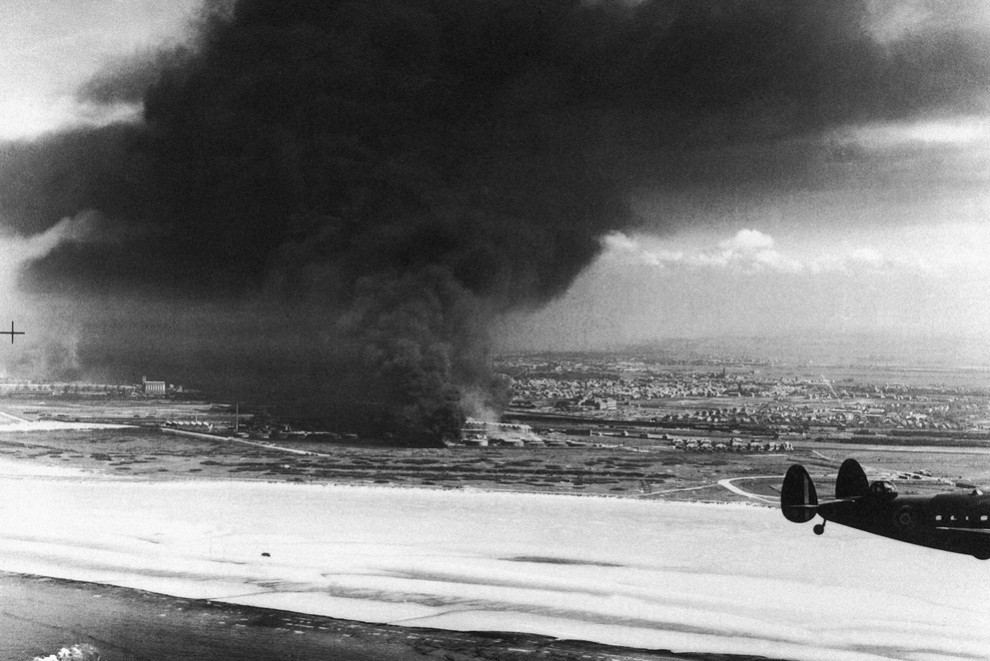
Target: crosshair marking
(12, 332)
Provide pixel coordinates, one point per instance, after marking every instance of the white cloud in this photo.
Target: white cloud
(17, 251)
(623, 248)
(26, 116)
(52, 48)
(959, 131)
(750, 251)
(748, 240)
(867, 256)
(619, 242)
(893, 20)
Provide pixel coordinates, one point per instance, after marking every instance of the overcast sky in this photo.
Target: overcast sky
(879, 223)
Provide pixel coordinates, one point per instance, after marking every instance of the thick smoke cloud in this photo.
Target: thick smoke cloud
(326, 203)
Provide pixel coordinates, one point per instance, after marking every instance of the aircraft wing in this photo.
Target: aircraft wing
(851, 499)
(978, 531)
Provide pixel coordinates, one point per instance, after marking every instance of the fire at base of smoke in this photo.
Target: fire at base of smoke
(78, 652)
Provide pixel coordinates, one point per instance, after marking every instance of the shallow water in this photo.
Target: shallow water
(39, 617)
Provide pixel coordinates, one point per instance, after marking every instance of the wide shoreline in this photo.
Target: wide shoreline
(158, 627)
(728, 581)
(150, 625)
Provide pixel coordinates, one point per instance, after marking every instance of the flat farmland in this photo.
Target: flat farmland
(656, 471)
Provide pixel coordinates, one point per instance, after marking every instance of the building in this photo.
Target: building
(599, 404)
(482, 433)
(152, 387)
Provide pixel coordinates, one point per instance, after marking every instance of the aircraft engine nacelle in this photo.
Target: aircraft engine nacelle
(798, 498)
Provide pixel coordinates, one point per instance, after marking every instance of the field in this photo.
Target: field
(649, 470)
(149, 453)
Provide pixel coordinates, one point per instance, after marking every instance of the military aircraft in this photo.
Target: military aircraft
(956, 522)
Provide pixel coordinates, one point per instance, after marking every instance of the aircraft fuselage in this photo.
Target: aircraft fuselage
(956, 522)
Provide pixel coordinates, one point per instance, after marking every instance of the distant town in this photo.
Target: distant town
(558, 400)
(742, 400)
(637, 424)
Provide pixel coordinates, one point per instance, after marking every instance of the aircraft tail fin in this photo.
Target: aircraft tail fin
(798, 499)
(852, 482)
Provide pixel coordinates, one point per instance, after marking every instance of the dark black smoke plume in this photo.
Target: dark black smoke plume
(327, 202)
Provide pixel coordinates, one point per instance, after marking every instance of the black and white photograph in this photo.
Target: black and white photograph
(494, 330)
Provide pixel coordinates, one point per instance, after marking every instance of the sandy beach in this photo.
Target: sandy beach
(681, 577)
(40, 614)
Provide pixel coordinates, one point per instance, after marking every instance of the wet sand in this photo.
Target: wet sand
(40, 615)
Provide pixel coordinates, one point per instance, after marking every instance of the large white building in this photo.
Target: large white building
(153, 387)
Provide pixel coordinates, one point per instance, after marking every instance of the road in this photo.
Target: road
(729, 483)
(7, 418)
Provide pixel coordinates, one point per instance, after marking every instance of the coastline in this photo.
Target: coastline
(147, 626)
(712, 581)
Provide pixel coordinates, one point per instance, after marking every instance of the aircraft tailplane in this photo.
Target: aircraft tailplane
(852, 482)
(798, 499)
